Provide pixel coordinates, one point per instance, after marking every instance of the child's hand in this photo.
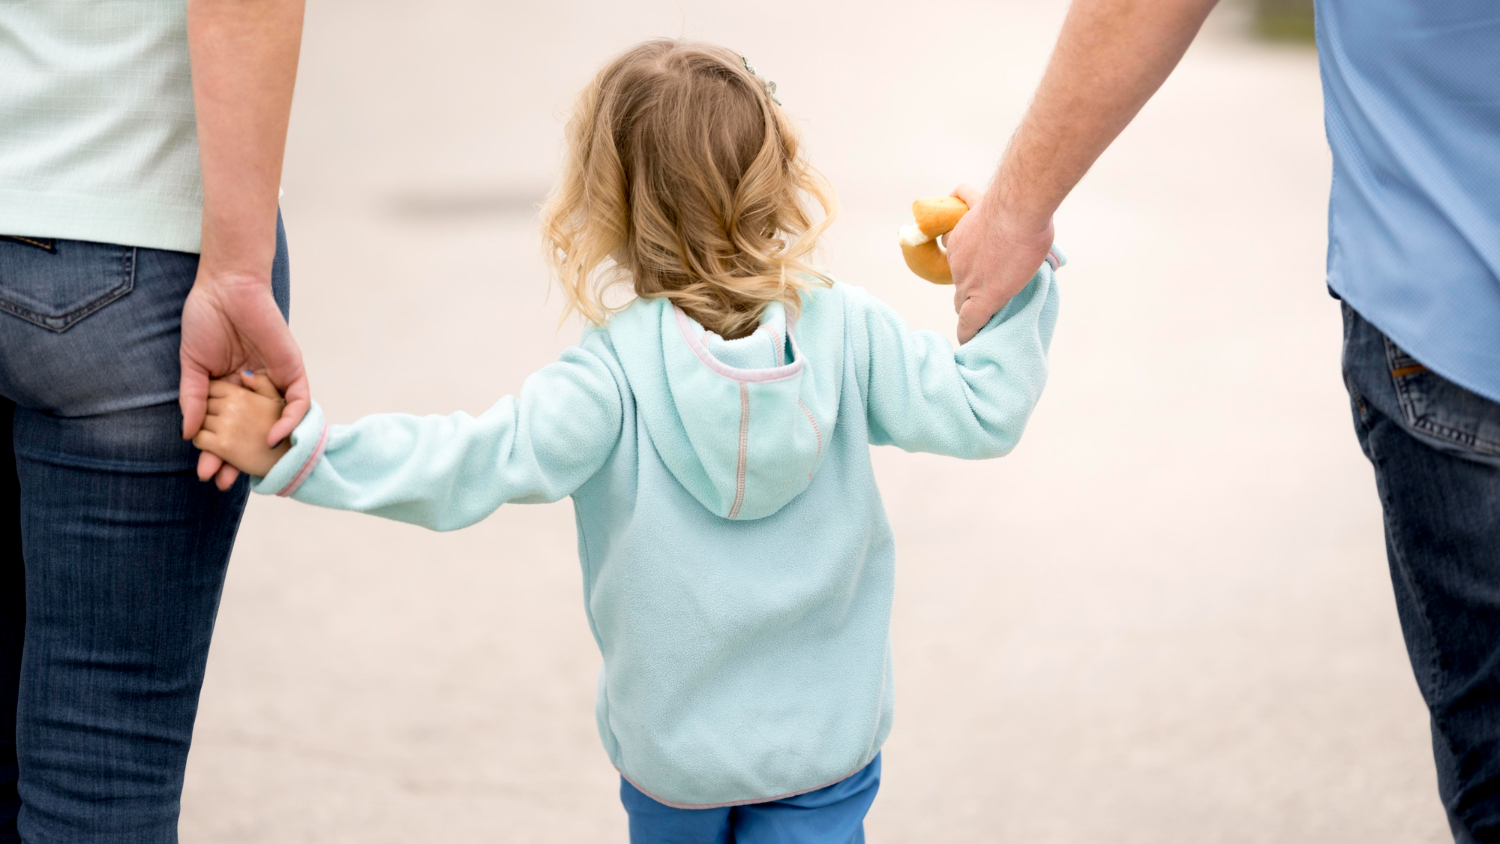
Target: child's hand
(239, 423)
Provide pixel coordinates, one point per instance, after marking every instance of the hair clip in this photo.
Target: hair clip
(769, 85)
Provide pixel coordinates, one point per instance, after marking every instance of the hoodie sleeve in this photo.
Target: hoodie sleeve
(923, 395)
(448, 472)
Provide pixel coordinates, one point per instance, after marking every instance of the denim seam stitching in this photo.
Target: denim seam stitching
(71, 318)
(161, 467)
(1435, 669)
(1409, 412)
(1461, 437)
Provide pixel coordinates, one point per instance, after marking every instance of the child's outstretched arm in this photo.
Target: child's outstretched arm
(447, 472)
(921, 394)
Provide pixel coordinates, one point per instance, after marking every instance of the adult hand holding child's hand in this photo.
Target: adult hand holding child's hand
(226, 325)
(238, 426)
(993, 254)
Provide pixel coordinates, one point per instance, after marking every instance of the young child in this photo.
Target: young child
(714, 434)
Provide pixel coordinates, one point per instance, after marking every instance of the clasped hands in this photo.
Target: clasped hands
(993, 252)
(993, 255)
(238, 422)
(230, 323)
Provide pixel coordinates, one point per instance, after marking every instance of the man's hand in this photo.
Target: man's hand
(230, 324)
(238, 424)
(1110, 58)
(993, 257)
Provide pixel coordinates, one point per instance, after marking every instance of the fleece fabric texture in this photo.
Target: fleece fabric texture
(738, 567)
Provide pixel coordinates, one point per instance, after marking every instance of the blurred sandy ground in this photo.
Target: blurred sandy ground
(1165, 618)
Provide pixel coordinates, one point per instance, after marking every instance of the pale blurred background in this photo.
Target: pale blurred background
(1166, 617)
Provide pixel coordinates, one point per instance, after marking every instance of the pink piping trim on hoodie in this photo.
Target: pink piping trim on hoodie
(307, 468)
(739, 472)
(780, 373)
(1054, 260)
(816, 432)
(776, 348)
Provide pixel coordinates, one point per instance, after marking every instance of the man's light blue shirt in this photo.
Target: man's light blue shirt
(1412, 96)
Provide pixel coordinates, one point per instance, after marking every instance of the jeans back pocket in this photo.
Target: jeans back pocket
(1442, 409)
(56, 283)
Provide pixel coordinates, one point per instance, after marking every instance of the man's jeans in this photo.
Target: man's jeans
(1436, 451)
(104, 627)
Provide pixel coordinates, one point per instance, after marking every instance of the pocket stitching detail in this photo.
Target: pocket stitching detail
(1409, 410)
(62, 322)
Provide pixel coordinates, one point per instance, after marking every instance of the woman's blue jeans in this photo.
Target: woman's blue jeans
(113, 554)
(1436, 451)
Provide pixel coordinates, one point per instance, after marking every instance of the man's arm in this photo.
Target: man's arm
(1110, 58)
(244, 61)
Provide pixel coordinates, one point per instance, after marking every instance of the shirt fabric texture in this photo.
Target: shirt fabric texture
(738, 566)
(98, 139)
(1412, 98)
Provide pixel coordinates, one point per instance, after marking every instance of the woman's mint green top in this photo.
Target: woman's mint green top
(738, 567)
(97, 135)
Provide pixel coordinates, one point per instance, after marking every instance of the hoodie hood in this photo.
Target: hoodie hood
(741, 424)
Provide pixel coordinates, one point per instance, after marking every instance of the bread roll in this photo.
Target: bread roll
(919, 242)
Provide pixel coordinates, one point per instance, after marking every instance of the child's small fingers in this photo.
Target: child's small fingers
(261, 384)
(225, 406)
(212, 422)
(220, 387)
(291, 416)
(225, 477)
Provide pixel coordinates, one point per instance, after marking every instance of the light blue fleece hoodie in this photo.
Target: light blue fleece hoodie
(738, 567)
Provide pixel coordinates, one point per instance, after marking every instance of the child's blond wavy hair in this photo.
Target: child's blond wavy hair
(686, 179)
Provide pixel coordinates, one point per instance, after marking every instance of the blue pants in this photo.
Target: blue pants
(831, 815)
(112, 555)
(1436, 451)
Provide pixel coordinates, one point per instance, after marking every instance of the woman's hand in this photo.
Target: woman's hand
(238, 426)
(244, 63)
(229, 324)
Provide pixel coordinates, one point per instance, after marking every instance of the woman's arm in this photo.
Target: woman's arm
(1110, 58)
(244, 64)
(923, 395)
